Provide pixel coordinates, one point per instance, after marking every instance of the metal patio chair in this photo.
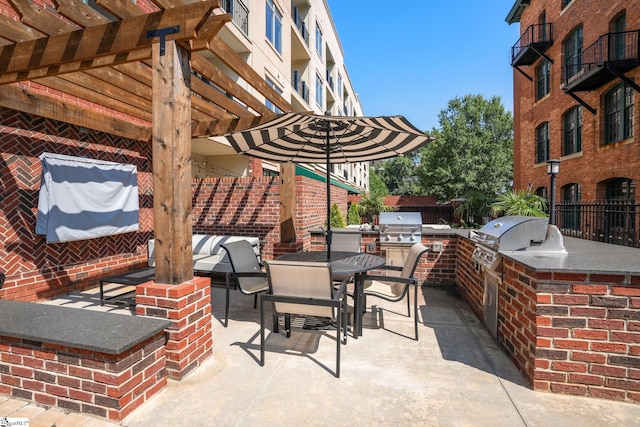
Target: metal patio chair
(247, 273)
(304, 289)
(396, 288)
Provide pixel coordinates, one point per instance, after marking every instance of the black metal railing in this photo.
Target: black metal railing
(302, 28)
(610, 49)
(239, 13)
(300, 86)
(538, 36)
(607, 221)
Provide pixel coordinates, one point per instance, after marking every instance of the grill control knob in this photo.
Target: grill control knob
(387, 237)
(412, 238)
(399, 237)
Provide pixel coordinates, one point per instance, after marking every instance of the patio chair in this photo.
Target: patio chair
(247, 273)
(396, 288)
(345, 242)
(304, 289)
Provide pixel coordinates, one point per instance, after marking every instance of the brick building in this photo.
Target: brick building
(576, 80)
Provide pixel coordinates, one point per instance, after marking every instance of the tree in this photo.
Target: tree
(399, 174)
(520, 202)
(371, 204)
(376, 183)
(472, 150)
(353, 217)
(337, 221)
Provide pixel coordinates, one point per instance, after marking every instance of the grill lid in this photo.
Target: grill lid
(400, 218)
(512, 233)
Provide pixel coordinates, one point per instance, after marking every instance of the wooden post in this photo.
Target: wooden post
(287, 202)
(171, 140)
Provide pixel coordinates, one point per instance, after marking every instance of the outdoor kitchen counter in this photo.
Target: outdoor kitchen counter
(583, 256)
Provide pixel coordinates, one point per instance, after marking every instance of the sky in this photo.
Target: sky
(411, 58)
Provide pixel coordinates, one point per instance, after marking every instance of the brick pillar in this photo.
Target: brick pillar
(188, 307)
(280, 248)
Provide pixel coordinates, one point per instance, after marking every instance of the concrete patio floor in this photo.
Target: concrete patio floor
(455, 375)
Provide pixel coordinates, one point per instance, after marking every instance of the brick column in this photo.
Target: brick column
(188, 307)
(280, 248)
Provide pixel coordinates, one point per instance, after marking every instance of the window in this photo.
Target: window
(319, 43)
(270, 105)
(620, 221)
(274, 26)
(572, 48)
(618, 113)
(618, 28)
(543, 84)
(570, 207)
(542, 142)
(340, 88)
(572, 135)
(319, 91)
(621, 189)
(564, 3)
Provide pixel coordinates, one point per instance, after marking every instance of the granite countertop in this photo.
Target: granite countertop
(87, 329)
(583, 256)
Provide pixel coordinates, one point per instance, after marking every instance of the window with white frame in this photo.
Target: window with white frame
(319, 91)
(274, 25)
(270, 105)
(319, 41)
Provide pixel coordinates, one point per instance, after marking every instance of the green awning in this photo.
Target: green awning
(301, 171)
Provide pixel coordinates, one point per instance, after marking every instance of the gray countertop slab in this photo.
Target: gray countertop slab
(86, 329)
(583, 256)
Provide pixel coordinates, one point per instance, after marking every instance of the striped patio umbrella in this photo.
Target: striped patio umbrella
(310, 138)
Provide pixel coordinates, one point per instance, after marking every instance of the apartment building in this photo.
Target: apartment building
(576, 83)
(295, 46)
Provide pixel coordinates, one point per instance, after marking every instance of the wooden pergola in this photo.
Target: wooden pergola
(141, 66)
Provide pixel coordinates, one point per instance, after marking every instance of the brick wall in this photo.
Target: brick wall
(36, 270)
(597, 162)
(77, 380)
(188, 307)
(567, 333)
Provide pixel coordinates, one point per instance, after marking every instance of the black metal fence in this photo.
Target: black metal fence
(608, 221)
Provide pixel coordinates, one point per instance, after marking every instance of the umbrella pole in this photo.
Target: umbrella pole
(329, 232)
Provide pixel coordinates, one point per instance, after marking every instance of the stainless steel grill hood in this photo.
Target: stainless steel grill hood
(512, 233)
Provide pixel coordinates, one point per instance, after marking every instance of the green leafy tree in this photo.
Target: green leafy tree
(376, 183)
(472, 150)
(337, 221)
(353, 217)
(475, 207)
(399, 175)
(520, 202)
(371, 204)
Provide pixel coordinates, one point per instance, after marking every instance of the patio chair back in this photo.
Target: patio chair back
(301, 279)
(243, 260)
(346, 242)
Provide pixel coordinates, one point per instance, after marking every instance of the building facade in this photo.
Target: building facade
(576, 75)
(295, 46)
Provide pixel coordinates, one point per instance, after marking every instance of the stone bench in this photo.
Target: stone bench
(103, 364)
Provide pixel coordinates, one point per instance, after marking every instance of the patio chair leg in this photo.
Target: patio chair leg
(276, 324)
(408, 304)
(226, 304)
(415, 309)
(287, 325)
(255, 301)
(262, 332)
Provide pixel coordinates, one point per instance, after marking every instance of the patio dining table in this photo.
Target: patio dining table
(345, 263)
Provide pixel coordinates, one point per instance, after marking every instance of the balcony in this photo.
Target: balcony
(534, 41)
(239, 13)
(300, 86)
(609, 57)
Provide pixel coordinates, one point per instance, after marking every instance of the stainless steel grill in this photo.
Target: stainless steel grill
(400, 227)
(515, 233)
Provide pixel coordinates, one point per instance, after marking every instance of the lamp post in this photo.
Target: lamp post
(553, 168)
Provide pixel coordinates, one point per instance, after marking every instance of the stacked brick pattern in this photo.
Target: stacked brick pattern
(105, 385)
(589, 335)
(567, 333)
(188, 307)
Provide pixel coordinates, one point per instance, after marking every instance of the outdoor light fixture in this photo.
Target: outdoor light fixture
(553, 168)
